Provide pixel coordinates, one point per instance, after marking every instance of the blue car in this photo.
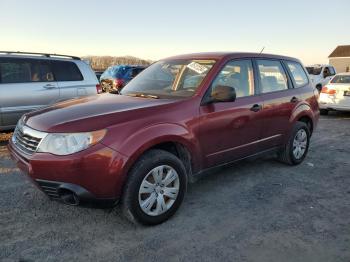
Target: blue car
(116, 77)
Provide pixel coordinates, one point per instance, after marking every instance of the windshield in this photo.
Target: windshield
(169, 79)
(341, 79)
(312, 70)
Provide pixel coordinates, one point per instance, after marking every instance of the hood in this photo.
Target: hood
(90, 113)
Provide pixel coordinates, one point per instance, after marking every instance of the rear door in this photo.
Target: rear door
(26, 85)
(279, 100)
(69, 78)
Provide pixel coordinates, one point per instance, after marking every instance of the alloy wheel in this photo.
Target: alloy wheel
(159, 190)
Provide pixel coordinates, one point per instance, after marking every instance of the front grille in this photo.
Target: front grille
(50, 188)
(26, 139)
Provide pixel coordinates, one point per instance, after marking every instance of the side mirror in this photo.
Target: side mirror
(223, 94)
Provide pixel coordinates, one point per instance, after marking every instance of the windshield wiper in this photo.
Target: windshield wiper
(142, 95)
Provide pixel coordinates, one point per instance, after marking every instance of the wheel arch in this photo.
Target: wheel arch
(171, 138)
(303, 113)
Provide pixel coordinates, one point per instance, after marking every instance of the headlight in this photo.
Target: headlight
(66, 144)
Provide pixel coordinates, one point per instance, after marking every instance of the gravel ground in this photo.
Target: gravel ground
(256, 210)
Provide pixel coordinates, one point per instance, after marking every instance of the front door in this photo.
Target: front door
(231, 130)
(26, 85)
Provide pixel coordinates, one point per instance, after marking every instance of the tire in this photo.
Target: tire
(147, 207)
(324, 112)
(287, 154)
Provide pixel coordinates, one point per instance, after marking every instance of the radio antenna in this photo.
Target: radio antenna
(262, 50)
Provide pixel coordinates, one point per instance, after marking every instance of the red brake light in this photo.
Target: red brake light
(119, 82)
(328, 91)
(98, 89)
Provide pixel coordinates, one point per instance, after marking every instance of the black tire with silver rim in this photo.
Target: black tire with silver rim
(155, 188)
(294, 152)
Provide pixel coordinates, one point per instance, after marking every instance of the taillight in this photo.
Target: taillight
(328, 91)
(119, 83)
(98, 89)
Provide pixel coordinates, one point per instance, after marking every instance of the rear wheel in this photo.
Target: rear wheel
(294, 152)
(155, 188)
(324, 112)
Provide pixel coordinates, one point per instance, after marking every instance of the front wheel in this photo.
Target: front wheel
(294, 152)
(155, 188)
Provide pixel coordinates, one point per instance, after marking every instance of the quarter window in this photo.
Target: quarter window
(298, 73)
(272, 76)
(66, 71)
(239, 75)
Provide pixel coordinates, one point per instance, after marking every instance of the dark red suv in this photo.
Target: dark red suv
(180, 117)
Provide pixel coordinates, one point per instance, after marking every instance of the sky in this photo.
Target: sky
(306, 29)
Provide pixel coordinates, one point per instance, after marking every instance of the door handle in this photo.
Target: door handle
(49, 86)
(256, 108)
(294, 99)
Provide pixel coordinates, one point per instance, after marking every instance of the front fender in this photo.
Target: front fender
(134, 145)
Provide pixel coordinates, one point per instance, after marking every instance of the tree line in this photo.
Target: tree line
(101, 63)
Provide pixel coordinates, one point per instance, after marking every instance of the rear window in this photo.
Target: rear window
(115, 72)
(24, 71)
(313, 70)
(341, 79)
(66, 71)
(298, 74)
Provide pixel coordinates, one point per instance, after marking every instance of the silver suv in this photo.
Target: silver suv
(29, 81)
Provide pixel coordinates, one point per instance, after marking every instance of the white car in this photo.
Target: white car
(320, 75)
(336, 94)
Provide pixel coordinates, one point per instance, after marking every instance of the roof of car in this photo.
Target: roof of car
(128, 66)
(221, 55)
(343, 74)
(318, 65)
(18, 54)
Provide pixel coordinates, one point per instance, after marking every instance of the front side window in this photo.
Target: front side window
(272, 76)
(298, 73)
(237, 74)
(66, 71)
(169, 79)
(331, 70)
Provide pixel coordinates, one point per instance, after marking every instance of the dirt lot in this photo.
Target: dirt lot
(257, 210)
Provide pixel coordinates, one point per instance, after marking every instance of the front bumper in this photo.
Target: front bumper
(93, 174)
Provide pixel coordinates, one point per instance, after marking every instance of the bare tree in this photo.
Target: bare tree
(101, 63)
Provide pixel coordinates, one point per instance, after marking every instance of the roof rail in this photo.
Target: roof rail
(39, 54)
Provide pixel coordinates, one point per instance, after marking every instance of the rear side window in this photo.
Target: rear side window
(24, 71)
(298, 74)
(66, 71)
(272, 76)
